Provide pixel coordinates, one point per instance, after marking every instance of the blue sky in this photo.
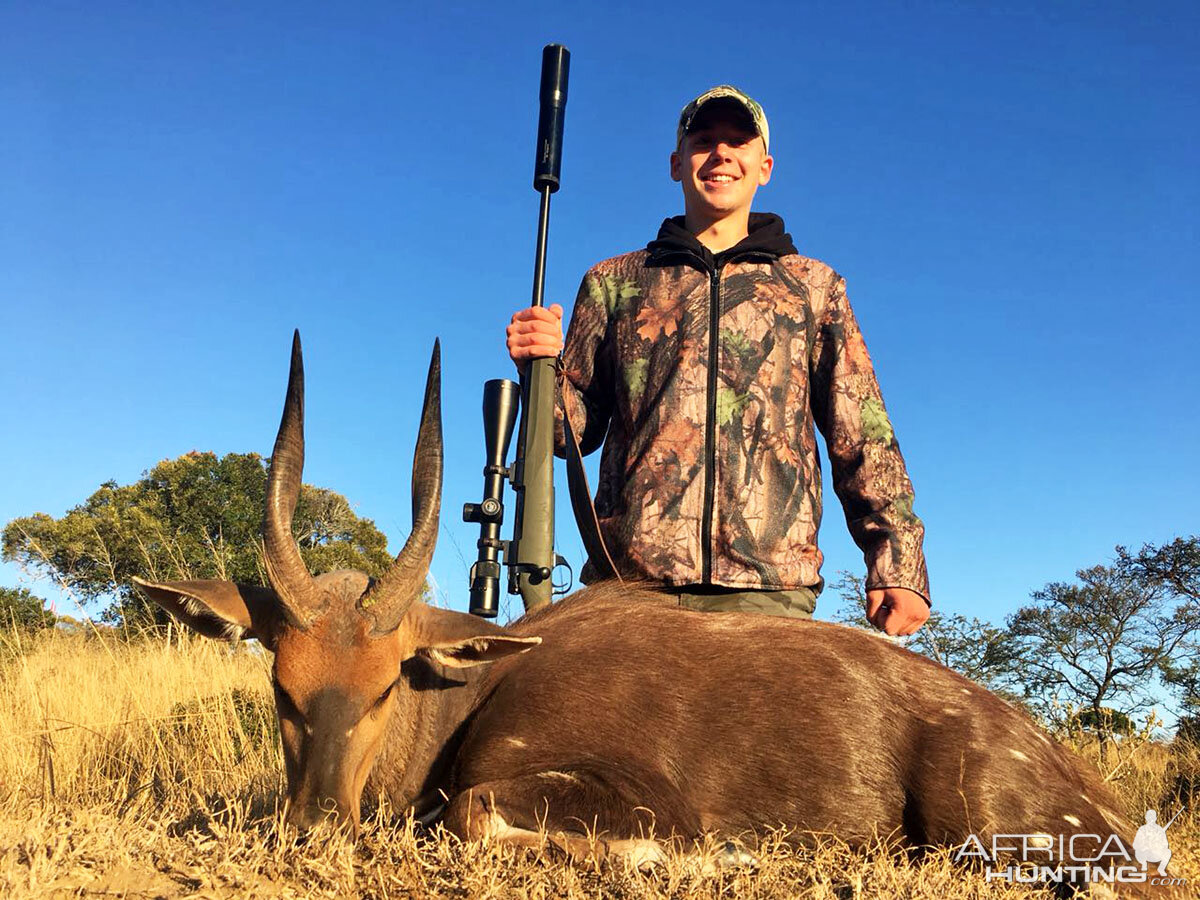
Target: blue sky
(1009, 189)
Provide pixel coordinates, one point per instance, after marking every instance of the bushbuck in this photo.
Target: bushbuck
(615, 718)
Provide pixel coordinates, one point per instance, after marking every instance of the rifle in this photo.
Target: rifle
(530, 555)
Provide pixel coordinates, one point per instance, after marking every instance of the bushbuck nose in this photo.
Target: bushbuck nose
(306, 814)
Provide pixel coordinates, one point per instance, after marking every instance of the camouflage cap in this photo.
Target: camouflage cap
(721, 92)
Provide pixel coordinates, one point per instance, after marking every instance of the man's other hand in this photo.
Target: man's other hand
(536, 332)
(896, 610)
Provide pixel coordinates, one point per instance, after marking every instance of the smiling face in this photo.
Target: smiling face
(721, 163)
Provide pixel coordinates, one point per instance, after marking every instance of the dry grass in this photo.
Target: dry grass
(147, 770)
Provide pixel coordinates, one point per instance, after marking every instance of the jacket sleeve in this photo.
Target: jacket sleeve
(868, 471)
(585, 383)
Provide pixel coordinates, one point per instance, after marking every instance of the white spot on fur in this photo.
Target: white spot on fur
(642, 854)
(1041, 841)
(1074, 820)
(517, 742)
(952, 710)
(965, 690)
(494, 826)
(563, 775)
(1017, 754)
(491, 825)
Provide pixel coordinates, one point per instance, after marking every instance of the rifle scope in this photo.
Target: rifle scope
(500, 400)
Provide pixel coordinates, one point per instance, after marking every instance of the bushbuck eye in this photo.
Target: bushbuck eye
(383, 697)
(287, 706)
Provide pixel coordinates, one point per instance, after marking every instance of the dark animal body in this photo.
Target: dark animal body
(615, 714)
(633, 715)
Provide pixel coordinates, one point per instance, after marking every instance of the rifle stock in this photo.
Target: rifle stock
(533, 527)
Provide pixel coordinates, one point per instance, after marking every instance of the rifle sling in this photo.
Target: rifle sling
(581, 497)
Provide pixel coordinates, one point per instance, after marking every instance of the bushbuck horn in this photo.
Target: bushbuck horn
(390, 596)
(289, 576)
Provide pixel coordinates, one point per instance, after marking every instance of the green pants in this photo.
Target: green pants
(797, 604)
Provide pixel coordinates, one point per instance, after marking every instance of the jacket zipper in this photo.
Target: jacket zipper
(710, 426)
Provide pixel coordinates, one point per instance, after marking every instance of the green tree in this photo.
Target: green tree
(1110, 721)
(852, 590)
(983, 652)
(1099, 644)
(192, 517)
(1183, 676)
(19, 608)
(1176, 567)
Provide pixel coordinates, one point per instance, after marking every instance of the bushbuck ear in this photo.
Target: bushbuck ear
(473, 651)
(218, 609)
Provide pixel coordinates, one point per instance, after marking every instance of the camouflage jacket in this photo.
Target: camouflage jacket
(703, 377)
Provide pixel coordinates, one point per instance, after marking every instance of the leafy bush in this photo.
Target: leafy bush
(20, 608)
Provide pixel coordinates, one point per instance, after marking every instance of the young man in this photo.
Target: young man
(702, 363)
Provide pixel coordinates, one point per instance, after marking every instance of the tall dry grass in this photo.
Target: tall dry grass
(143, 769)
(91, 719)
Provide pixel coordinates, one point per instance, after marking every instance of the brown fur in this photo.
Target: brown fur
(635, 717)
(650, 715)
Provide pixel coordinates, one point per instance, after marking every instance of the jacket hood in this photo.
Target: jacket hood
(766, 241)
